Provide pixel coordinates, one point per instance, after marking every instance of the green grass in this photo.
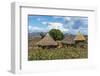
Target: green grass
(62, 53)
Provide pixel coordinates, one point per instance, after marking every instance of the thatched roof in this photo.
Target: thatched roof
(79, 37)
(69, 39)
(33, 41)
(47, 41)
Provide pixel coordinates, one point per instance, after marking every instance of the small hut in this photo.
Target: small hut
(32, 42)
(79, 39)
(47, 42)
(68, 40)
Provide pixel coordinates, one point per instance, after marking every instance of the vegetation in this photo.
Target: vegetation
(61, 53)
(56, 34)
(42, 35)
(57, 47)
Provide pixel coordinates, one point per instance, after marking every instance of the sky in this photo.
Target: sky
(67, 24)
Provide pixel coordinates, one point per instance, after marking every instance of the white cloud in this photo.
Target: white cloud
(71, 23)
(84, 20)
(56, 17)
(51, 25)
(83, 28)
(38, 19)
(67, 18)
(44, 22)
(56, 25)
(29, 27)
(35, 29)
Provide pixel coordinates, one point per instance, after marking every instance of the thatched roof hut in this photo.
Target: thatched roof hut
(33, 41)
(79, 37)
(69, 39)
(47, 41)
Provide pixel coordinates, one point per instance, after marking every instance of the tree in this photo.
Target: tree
(56, 34)
(42, 34)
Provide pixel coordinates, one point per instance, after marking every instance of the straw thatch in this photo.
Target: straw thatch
(33, 41)
(47, 41)
(69, 39)
(79, 37)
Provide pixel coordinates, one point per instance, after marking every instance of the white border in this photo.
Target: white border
(19, 38)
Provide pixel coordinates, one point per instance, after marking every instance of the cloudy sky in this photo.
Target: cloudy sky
(67, 24)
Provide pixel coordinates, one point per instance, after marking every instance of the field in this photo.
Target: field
(62, 53)
(39, 53)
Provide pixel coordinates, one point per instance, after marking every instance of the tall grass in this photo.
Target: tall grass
(62, 53)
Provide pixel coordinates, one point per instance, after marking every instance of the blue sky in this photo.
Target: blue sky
(67, 24)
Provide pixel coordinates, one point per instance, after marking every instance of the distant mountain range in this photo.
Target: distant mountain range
(34, 34)
(37, 34)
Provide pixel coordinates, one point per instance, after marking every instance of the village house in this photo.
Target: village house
(68, 40)
(47, 42)
(79, 39)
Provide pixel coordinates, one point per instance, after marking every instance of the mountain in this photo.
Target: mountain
(34, 34)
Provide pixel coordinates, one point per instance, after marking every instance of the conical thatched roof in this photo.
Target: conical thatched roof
(33, 41)
(47, 41)
(69, 39)
(79, 37)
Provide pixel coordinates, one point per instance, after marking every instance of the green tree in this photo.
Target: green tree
(56, 34)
